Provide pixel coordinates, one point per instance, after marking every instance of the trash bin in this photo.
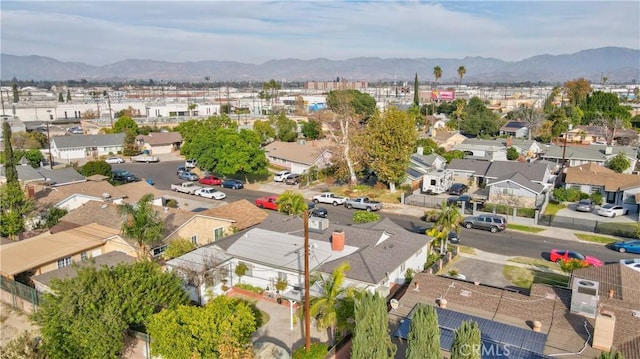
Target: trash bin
(150, 181)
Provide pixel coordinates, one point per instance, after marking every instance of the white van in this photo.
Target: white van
(281, 176)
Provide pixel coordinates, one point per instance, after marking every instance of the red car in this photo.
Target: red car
(211, 181)
(268, 202)
(558, 255)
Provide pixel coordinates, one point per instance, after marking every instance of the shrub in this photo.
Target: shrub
(597, 198)
(408, 275)
(250, 288)
(316, 351)
(568, 195)
(96, 168)
(526, 212)
(365, 217)
(573, 264)
(512, 154)
(431, 260)
(178, 247)
(172, 203)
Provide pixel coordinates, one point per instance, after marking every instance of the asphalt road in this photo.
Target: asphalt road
(511, 243)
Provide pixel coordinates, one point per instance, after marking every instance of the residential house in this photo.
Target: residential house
(586, 135)
(76, 147)
(516, 190)
(50, 251)
(535, 172)
(28, 175)
(496, 149)
(576, 155)
(447, 139)
(515, 129)
(616, 188)
(469, 171)
(75, 195)
(618, 304)
(299, 156)
(379, 253)
(160, 142)
(532, 325)
(134, 191)
(420, 164)
(43, 281)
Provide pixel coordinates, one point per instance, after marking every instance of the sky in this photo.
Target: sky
(105, 32)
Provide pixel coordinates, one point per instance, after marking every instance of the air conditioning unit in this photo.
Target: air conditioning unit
(584, 297)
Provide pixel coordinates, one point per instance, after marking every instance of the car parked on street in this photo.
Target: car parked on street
(211, 180)
(188, 176)
(632, 246)
(190, 163)
(293, 179)
(319, 212)
(233, 184)
(612, 210)
(490, 222)
(281, 176)
(181, 169)
(211, 193)
(585, 205)
(123, 176)
(329, 198)
(557, 255)
(457, 189)
(114, 160)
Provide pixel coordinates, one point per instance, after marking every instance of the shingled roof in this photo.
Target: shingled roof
(597, 175)
(244, 214)
(83, 141)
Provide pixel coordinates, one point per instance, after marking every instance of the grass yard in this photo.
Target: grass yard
(467, 250)
(536, 262)
(528, 229)
(595, 238)
(552, 208)
(524, 277)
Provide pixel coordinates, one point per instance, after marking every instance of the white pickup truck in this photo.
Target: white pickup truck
(329, 198)
(363, 203)
(185, 187)
(145, 158)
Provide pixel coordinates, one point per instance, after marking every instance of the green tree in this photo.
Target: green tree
(428, 145)
(241, 270)
(365, 217)
(478, 119)
(449, 220)
(391, 138)
(87, 316)
(361, 104)
(14, 90)
(437, 74)
(125, 124)
(423, 340)
(416, 92)
(312, 129)
(53, 215)
(466, 341)
(96, 168)
(291, 203)
(370, 336)
(28, 140)
(512, 153)
(129, 147)
(188, 332)
(327, 307)
(60, 97)
(619, 163)
(10, 172)
(27, 345)
(461, 72)
(142, 223)
(238, 153)
(577, 91)
(611, 355)
(264, 129)
(68, 95)
(286, 129)
(178, 247)
(271, 89)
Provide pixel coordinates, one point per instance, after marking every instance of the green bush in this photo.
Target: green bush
(178, 247)
(96, 168)
(172, 203)
(597, 198)
(526, 212)
(568, 195)
(408, 275)
(365, 217)
(250, 288)
(316, 351)
(512, 154)
(431, 260)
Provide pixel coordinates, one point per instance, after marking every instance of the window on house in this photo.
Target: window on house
(194, 239)
(595, 189)
(218, 233)
(159, 250)
(83, 256)
(64, 262)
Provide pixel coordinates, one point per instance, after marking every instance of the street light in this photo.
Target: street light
(49, 140)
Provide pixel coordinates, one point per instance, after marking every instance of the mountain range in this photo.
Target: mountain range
(618, 65)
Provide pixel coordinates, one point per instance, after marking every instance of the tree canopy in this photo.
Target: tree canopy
(142, 223)
(291, 203)
(619, 163)
(362, 104)
(370, 336)
(312, 129)
(96, 168)
(87, 315)
(124, 124)
(423, 340)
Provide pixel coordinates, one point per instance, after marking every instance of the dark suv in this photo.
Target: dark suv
(123, 176)
(491, 222)
(457, 189)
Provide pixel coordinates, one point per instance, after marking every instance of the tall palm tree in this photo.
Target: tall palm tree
(461, 72)
(328, 307)
(437, 74)
(448, 221)
(142, 223)
(291, 203)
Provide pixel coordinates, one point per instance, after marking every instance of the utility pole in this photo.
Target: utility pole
(49, 141)
(110, 113)
(307, 283)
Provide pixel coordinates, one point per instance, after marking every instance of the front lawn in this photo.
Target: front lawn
(519, 227)
(595, 238)
(536, 262)
(553, 208)
(524, 277)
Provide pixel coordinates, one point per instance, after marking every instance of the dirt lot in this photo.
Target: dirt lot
(12, 323)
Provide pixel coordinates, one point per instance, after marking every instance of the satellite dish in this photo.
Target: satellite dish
(394, 303)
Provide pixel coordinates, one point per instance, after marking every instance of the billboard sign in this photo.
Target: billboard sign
(443, 95)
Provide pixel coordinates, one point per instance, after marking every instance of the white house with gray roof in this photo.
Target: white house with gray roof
(576, 155)
(76, 147)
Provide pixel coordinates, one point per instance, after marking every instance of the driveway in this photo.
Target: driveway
(477, 270)
(570, 211)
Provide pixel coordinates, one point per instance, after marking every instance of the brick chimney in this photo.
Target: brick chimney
(337, 241)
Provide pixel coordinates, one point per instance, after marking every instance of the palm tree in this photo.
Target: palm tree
(437, 74)
(461, 72)
(329, 308)
(142, 223)
(449, 220)
(291, 203)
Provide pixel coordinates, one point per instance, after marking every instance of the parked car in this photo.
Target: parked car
(211, 193)
(558, 255)
(457, 189)
(293, 179)
(490, 222)
(211, 180)
(123, 176)
(181, 169)
(232, 183)
(190, 163)
(612, 210)
(454, 237)
(76, 130)
(329, 198)
(633, 263)
(188, 176)
(585, 205)
(114, 160)
(319, 212)
(281, 176)
(268, 202)
(632, 246)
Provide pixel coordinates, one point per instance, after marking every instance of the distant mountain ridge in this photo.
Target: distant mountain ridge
(616, 63)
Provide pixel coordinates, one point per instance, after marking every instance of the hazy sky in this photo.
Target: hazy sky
(103, 32)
